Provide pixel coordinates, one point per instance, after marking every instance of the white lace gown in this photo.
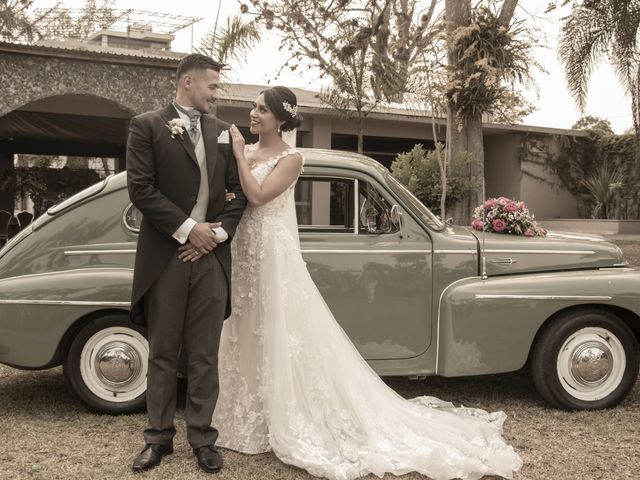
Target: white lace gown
(292, 382)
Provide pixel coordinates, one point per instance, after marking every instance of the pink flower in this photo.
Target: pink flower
(503, 201)
(489, 204)
(498, 225)
(477, 224)
(510, 207)
(529, 233)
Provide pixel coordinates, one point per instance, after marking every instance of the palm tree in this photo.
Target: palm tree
(598, 30)
(234, 41)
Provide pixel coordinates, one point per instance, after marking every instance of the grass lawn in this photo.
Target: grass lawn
(45, 433)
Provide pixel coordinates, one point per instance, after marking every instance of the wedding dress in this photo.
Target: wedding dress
(292, 382)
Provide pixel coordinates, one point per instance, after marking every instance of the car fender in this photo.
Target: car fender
(37, 310)
(489, 325)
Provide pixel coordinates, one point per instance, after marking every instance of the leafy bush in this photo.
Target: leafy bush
(419, 171)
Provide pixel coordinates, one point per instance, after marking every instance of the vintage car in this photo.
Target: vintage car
(416, 296)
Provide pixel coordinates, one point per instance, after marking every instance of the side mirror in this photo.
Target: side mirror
(368, 215)
(396, 218)
(379, 221)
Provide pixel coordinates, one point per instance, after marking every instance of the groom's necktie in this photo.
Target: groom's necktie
(194, 116)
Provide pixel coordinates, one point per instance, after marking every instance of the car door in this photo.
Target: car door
(375, 277)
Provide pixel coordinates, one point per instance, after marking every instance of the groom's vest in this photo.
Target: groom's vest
(199, 212)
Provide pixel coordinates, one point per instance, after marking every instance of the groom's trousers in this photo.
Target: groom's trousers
(185, 306)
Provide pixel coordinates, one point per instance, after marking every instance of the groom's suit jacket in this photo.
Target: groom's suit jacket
(163, 179)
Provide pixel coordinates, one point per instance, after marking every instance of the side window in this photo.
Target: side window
(324, 204)
(374, 211)
(132, 218)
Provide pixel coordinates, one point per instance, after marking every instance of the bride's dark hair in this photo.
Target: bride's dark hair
(284, 105)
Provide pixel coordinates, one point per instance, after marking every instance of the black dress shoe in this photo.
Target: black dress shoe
(150, 457)
(209, 459)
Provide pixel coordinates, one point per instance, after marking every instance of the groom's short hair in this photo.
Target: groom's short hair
(196, 61)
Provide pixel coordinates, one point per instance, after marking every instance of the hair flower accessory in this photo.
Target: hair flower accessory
(503, 215)
(176, 127)
(291, 110)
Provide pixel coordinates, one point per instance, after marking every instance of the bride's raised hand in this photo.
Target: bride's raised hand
(237, 143)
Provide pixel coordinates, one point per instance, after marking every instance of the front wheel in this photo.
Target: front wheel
(106, 365)
(585, 360)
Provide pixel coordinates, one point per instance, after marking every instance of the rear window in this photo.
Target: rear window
(78, 197)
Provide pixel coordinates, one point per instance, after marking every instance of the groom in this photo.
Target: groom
(179, 163)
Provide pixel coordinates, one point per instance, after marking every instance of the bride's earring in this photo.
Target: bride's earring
(279, 131)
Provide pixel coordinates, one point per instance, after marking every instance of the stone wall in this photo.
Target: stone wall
(136, 88)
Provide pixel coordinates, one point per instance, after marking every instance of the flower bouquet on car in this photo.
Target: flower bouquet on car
(503, 215)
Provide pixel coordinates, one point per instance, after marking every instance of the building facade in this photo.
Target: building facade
(66, 98)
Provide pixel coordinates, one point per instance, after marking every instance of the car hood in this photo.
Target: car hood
(508, 254)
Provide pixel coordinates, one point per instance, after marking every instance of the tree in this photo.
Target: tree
(373, 50)
(15, 23)
(593, 123)
(364, 47)
(92, 17)
(233, 41)
(603, 30)
(483, 53)
(20, 22)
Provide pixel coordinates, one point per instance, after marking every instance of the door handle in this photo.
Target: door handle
(504, 261)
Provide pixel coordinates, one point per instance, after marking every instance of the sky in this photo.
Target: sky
(556, 108)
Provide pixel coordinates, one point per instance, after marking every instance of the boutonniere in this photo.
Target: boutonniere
(176, 127)
(223, 137)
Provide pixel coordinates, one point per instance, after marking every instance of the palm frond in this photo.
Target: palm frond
(596, 31)
(233, 42)
(603, 185)
(585, 39)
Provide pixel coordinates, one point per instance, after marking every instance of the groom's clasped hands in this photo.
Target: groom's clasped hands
(202, 240)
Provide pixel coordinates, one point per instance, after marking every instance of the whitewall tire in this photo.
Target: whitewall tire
(107, 363)
(584, 360)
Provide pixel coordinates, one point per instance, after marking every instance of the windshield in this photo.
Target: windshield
(413, 203)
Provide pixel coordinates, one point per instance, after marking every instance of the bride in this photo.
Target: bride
(290, 379)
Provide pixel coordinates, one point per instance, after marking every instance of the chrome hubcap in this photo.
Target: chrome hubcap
(591, 364)
(118, 364)
(113, 364)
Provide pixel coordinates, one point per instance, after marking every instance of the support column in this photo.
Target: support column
(7, 200)
(320, 133)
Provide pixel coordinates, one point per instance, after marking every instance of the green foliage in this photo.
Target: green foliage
(593, 123)
(60, 22)
(233, 42)
(596, 31)
(15, 23)
(364, 47)
(604, 185)
(603, 30)
(490, 59)
(597, 169)
(48, 186)
(419, 171)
